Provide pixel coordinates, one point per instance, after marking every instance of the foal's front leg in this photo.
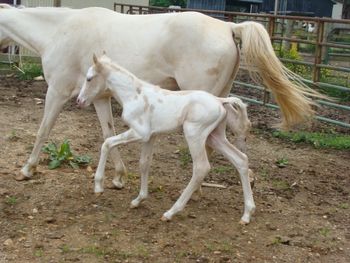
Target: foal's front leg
(125, 137)
(145, 163)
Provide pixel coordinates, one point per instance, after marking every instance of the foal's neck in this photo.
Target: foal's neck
(123, 85)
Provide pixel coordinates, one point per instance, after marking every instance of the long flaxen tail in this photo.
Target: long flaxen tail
(258, 56)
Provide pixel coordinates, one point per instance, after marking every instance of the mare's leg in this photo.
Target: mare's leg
(145, 163)
(54, 102)
(218, 141)
(196, 143)
(109, 143)
(104, 114)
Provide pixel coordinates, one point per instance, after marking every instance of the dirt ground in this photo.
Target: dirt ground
(303, 210)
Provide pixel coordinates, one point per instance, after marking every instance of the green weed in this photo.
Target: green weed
(282, 162)
(62, 154)
(11, 200)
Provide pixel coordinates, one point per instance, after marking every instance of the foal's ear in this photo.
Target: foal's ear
(94, 58)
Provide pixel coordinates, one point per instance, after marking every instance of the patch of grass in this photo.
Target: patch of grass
(99, 252)
(65, 249)
(223, 169)
(318, 140)
(281, 185)
(11, 200)
(13, 136)
(344, 205)
(39, 252)
(142, 251)
(185, 157)
(324, 231)
(29, 71)
(264, 173)
(62, 154)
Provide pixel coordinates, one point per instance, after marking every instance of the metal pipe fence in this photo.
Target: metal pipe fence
(277, 25)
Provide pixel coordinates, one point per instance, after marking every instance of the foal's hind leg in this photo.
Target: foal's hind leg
(218, 141)
(54, 102)
(104, 114)
(201, 167)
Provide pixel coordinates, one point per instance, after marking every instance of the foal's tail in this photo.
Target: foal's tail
(263, 65)
(237, 116)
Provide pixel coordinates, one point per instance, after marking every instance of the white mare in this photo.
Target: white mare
(175, 51)
(149, 110)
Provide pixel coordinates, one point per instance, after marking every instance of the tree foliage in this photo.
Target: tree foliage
(167, 3)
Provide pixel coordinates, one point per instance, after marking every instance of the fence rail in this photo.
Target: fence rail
(277, 25)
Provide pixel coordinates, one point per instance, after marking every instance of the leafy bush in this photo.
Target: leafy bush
(29, 71)
(63, 155)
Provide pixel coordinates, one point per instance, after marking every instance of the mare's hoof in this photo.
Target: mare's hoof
(21, 177)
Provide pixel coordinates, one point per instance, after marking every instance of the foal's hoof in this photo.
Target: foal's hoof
(243, 223)
(165, 219)
(98, 194)
(117, 184)
(21, 177)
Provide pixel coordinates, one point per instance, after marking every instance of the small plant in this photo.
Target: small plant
(282, 162)
(11, 200)
(63, 155)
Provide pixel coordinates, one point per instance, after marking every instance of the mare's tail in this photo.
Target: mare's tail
(264, 66)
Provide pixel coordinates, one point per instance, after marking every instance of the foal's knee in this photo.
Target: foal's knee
(201, 170)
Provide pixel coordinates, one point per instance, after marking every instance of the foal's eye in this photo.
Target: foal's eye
(89, 79)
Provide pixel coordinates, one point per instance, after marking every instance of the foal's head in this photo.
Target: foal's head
(95, 81)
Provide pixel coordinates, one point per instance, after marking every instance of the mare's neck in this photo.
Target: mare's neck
(124, 87)
(33, 27)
